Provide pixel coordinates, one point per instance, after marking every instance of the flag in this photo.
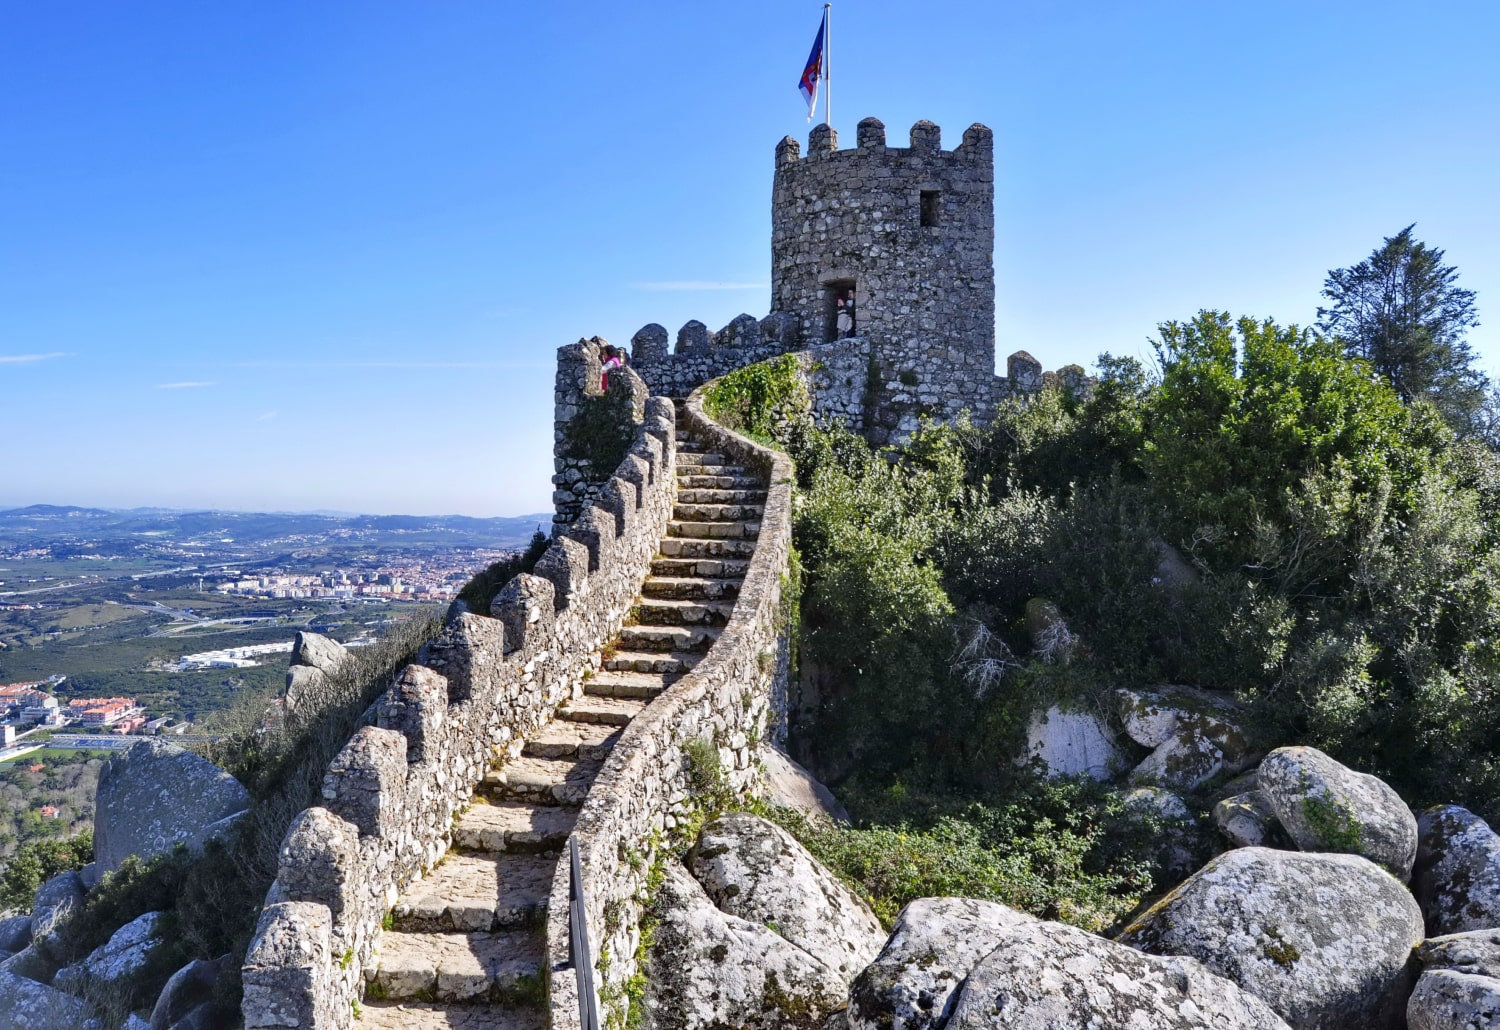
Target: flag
(813, 72)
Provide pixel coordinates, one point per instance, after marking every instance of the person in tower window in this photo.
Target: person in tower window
(845, 321)
(612, 359)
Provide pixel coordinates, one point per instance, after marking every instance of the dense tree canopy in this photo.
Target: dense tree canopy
(1401, 310)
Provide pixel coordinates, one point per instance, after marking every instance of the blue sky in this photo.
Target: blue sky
(303, 256)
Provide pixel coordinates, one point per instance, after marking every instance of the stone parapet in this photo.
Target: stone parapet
(730, 701)
(701, 355)
(486, 683)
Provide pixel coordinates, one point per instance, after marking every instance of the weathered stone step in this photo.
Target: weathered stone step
(628, 684)
(514, 826)
(687, 456)
(605, 711)
(700, 481)
(694, 495)
(480, 966)
(652, 661)
(548, 780)
(478, 891)
(695, 588)
(747, 530)
(574, 739)
(668, 638)
(687, 465)
(421, 1015)
(692, 547)
(670, 611)
(717, 512)
(699, 568)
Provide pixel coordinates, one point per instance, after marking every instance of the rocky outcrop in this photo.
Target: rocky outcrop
(755, 870)
(1475, 951)
(932, 948)
(33, 963)
(15, 933)
(319, 652)
(111, 968)
(710, 969)
(1246, 820)
(156, 796)
(1072, 744)
(1043, 976)
(1457, 874)
(1194, 735)
(28, 1005)
(789, 785)
(1325, 940)
(1326, 806)
(54, 904)
(1447, 999)
(1179, 840)
(188, 991)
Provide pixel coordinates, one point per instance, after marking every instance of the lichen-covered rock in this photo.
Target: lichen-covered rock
(111, 967)
(710, 969)
(1178, 837)
(1326, 806)
(33, 963)
(15, 933)
(1446, 999)
(934, 944)
(1246, 820)
(1474, 951)
(791, 786)
(1195, 735)
(755, 870)
(1457, 874)
(318, 651)
(156, 796)
(1043, 976)
(1072, 744)
(1325, 940)
(28, 1005)
(187, 989)
(54, 904)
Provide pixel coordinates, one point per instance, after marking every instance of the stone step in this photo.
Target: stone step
(670, 611)
(686, 466)
(557, 781)
(628, 684)
(478, 891)
(700, 481)
(574, 739)
(747, 530)
(696, 588)
(692, 547)
(605, 711)
(668, 638)
(699, 568)
(691, 457)
(421, 1015)
(717, 512)
(514, 826)
(479, 966)
(695, 495)
(674, 662)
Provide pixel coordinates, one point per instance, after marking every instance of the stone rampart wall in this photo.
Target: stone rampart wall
(732, 698)
(587, 421)
(486, 683)
(701, 355)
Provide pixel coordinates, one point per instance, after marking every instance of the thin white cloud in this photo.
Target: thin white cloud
(695, 285)
(388, 364)
(268, 415)
(28, 359)
(183, 386)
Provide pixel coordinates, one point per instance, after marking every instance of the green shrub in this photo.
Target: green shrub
(36, 862)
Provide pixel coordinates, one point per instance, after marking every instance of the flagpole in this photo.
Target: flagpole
(828, 64)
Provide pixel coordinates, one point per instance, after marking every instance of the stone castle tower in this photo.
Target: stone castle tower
(911, 230)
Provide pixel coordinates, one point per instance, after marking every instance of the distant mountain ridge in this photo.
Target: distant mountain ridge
(104, 525)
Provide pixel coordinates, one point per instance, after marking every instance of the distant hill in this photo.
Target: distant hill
(23, 526)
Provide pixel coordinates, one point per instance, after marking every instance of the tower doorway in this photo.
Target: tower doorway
(840, 310)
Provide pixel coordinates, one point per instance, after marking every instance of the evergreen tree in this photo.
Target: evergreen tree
(1401, 310)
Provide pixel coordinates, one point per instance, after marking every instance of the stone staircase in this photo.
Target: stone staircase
(464, 946)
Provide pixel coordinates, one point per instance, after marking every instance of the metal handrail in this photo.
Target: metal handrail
(579, 948)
